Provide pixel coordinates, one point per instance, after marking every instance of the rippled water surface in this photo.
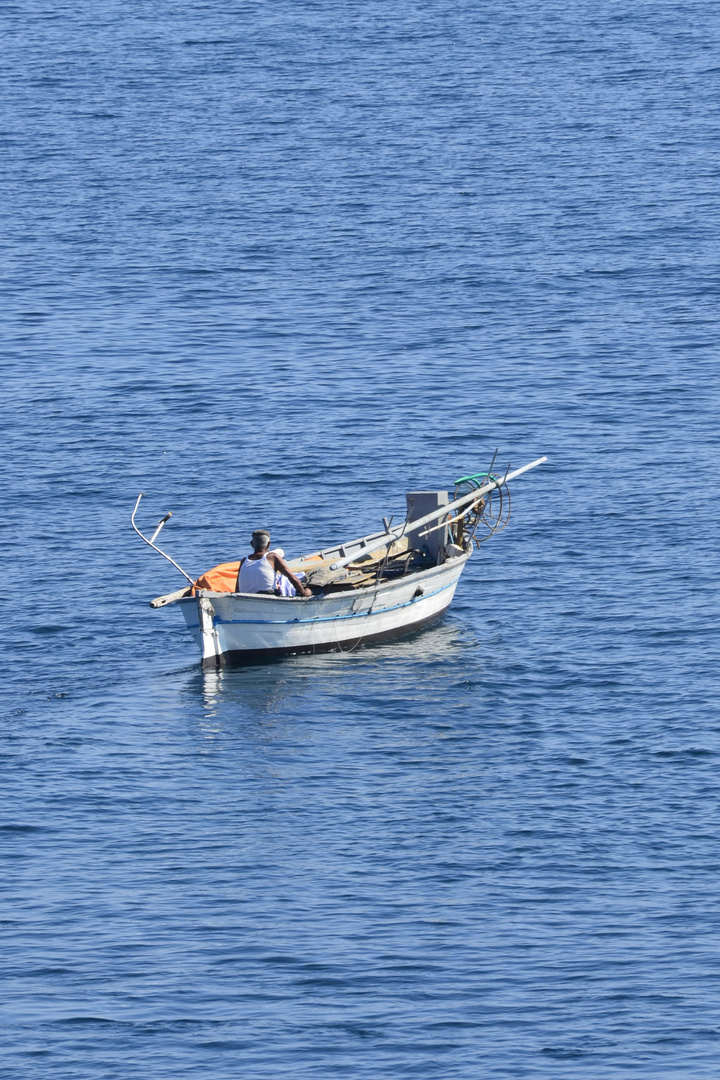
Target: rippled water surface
(278, 264)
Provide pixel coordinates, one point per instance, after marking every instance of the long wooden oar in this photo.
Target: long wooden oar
(464, 500)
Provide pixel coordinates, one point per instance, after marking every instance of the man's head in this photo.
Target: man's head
(260, 540)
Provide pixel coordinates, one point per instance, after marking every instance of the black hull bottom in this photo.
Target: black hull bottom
(243, 657)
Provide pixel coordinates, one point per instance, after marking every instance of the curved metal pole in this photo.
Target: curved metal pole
(154, 546)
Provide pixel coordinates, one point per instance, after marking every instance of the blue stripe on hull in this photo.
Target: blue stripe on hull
(329, 618)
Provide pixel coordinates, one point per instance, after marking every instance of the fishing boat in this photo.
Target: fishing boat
(380, 586)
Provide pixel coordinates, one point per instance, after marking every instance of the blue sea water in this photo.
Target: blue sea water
(278, 264)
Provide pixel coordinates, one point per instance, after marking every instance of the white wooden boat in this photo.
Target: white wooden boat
(380, 586)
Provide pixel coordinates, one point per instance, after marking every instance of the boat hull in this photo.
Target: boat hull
(236, 628)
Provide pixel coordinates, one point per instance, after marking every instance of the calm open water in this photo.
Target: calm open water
(278, 263)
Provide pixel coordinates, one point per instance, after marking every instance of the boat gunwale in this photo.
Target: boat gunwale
(338, 617)
(384, 586)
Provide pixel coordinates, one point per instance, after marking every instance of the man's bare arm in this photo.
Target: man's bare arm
(280, 566)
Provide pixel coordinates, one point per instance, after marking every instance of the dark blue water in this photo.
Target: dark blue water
(278, 264)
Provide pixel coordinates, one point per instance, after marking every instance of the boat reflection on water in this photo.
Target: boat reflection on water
(278, 688)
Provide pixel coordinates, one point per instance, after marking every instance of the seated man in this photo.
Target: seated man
(257, 571)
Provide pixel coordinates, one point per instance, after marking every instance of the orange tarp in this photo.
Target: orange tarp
(222, 578)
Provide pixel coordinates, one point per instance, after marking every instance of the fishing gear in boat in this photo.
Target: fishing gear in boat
(492, 510)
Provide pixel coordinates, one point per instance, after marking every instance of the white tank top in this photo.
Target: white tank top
(256, 576)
